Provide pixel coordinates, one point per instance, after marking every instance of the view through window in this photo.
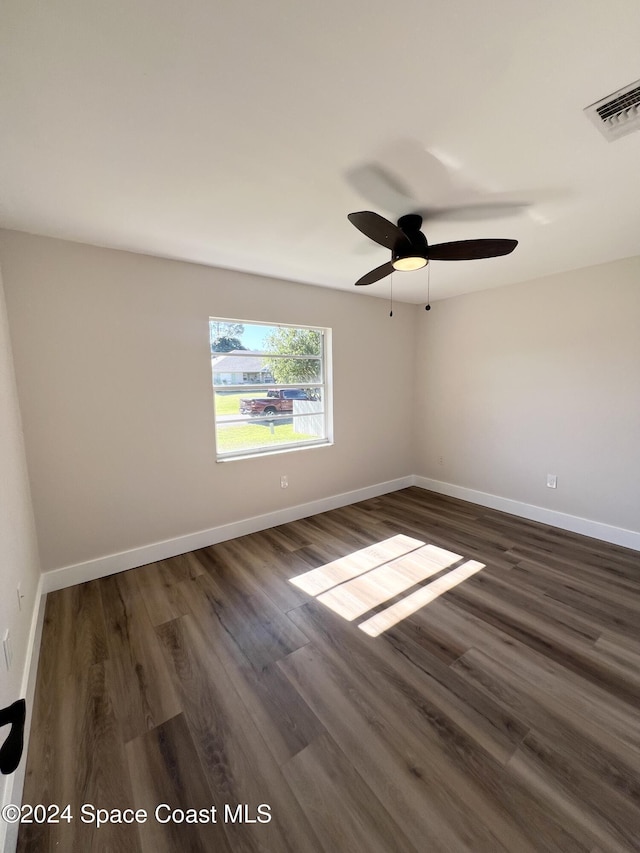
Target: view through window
(270, 386)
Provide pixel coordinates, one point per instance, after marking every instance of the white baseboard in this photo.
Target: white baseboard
(15, 783)
(113, 563)
(120, 562)
(595, 529)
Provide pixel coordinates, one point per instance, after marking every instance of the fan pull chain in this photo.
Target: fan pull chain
(391, 289)
(427, 307)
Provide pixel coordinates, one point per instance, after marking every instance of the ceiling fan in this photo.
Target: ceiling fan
(410, 249)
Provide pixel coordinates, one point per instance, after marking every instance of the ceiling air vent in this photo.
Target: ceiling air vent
(618, 113)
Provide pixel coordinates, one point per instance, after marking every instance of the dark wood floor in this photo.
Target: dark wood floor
(502, 716)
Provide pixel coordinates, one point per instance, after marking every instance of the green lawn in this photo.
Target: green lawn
(229, 404)
(252, 435)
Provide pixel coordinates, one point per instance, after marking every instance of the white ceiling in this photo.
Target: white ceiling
(223, 132)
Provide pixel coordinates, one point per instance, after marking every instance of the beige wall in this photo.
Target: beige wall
(537, 378)
(113, 371)
(18, 549)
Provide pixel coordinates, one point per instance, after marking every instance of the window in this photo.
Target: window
(270, 387)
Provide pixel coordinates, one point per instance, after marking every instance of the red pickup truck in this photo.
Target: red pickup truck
(275, 403)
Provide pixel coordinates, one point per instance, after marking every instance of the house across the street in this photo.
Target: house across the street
(231, 368)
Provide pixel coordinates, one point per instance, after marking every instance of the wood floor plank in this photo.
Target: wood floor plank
(421, 641)
(238, 765)
(434, 690)
(141, 690)
(358, 517)
(327, 526)
(622, 649)
(554, 641)
(183, 567)
(420, 770)
(75, 752)
(269, 567)
(548, 677)
(81, 759)
(599, 590)
(74, 618)
(536, 599)
(342, 808)
(158, 587)
(398, 783)
(263, 632)
(284, 538)
(578, 819)
(275, 579)
(580, 562)
(279, 712)
(165, 770)
(615, 817)
(470, 539)
(562, 717)
(508, 592)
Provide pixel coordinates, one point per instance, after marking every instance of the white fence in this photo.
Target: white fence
(304, 421)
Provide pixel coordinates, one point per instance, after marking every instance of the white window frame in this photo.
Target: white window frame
(324, 385)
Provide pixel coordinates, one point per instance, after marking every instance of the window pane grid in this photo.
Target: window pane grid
(274, 355)
(262, 418)
(256, 388)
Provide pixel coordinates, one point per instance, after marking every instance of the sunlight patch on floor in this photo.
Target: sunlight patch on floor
(363, 593)
(359, 582)
(319, 580)
(397, 612)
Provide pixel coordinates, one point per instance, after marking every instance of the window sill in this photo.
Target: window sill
(274, 451)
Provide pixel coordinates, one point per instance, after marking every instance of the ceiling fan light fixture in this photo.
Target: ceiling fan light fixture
(413, 262)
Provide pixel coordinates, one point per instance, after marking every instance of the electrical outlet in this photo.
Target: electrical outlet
(552, 481)
(284, 481)
(8, 649)
(440, 460)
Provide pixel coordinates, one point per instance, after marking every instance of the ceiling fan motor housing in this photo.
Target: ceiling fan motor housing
(415, 243)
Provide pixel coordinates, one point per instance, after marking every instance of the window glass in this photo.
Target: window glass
(271, 387)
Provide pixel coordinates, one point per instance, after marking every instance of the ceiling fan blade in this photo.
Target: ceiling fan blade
(376, 274)
(474, 212)
(377, 185)
(377, 228)
(407, 163)
(470, 250)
